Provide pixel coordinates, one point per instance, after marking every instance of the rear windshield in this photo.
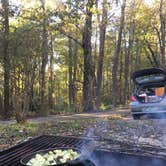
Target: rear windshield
(150, 78)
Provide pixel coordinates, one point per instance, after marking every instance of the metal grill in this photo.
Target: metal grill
(12, 156)
(103, 157)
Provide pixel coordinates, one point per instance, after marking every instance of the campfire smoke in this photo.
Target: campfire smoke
(103, 157)
(87, 150)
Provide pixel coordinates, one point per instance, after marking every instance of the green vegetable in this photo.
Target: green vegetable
(53, 157)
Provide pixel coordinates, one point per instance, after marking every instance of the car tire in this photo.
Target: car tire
(136, 117)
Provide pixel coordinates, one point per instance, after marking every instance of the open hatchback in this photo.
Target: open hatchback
(149, 92)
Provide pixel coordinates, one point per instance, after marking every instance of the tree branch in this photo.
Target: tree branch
(152, 53)
(69, 36)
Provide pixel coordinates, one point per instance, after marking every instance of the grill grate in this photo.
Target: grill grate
(104, 157)
(12, 156)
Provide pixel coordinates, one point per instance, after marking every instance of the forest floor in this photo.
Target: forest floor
(120, 112)
(117, 126)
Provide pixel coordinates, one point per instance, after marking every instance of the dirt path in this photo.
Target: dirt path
(124, 113)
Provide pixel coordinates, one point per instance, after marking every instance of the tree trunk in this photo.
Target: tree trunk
(6, 59)
(138, 59)
(51, 89)
(88, 104)
(26, 92)
(70, 83)
(127, 62)
(75, 61)
(31, 98)
(116, 56)
(103, 26)
(1, 105)
(43, 111)
(163, 32)
(120, 81)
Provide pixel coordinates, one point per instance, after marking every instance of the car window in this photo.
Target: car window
(150, 78)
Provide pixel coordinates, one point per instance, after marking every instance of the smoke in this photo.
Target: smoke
(88, 149)
(100, 157)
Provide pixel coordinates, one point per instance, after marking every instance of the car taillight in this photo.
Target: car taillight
(132, 98)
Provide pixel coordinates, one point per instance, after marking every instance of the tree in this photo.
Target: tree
(51, 87)
(44, 61)
(75, 57)
(102, 28)
(88, 99)
(162, 32)
(6, 58)
(116, 55)
(130, 31)
(70, 58)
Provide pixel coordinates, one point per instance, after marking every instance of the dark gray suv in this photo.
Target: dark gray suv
(149, 92)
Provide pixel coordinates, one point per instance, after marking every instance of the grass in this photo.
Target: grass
(15, 133)
(114, 128)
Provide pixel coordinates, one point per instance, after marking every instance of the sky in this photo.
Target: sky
(149, 2)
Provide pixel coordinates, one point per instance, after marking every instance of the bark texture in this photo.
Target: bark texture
(70, 83)
(43, 111)
(88, 104)
(163, 32)
(103, 26)
(6, 58)
(51, 88)
(116, 56)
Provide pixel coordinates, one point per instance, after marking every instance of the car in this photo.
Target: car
(149, 97)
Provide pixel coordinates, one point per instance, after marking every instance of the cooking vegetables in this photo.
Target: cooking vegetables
(53, 158)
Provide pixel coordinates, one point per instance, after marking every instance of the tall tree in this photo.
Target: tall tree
(51, 88)
(102, 28)
(6, 58)
(70, 68)
(44, 60)
(163, 32)
(116, 55)
(88, 104)
(75, 61)
(127, 60)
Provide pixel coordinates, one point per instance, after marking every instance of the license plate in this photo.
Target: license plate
(150, 109)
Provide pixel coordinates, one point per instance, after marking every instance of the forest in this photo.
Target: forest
(75, 55)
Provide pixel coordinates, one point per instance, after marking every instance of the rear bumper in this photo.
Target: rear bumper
(150, 112)
(148, 108)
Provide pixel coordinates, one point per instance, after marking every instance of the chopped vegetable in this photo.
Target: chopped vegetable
(53, 158)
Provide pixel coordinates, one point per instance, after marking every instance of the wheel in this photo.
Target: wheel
(136, 117)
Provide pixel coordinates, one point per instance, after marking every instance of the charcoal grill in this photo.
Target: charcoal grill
(101, 157)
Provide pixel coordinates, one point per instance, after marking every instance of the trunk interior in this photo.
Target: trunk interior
(150, 94)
